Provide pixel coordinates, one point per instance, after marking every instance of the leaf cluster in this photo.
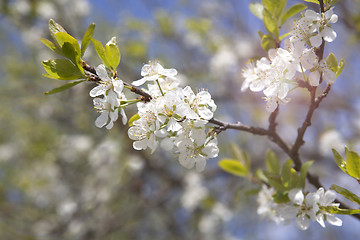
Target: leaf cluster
(274, 15)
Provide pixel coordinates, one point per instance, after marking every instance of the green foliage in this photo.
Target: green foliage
(272, 162)
(62, 69)
(273, 13)
(110, 55)
(240, 165)
(332, 63)
(346, 193)
(267, 41)
(87, 38)
(340, 67)
(257, 9)
(233, 166)
(313, 1)
(292, 11)
(352, 164)
(271, 23)
(282, 178)
(63, 87)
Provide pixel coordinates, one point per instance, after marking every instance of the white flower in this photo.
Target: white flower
(321, 69)
(195, 153)
(321, 24)
(106, 83)
(267, 207)
(107, 112)
(201, 104)
(326, 199)
(144, 136)
(154, 71)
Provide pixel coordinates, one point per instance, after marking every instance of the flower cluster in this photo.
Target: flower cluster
(301, 207)
(110, 105)
(278, 74)
(175, 118)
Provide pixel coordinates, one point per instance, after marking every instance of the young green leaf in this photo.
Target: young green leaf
(303, 172)
(112, 54)
(257, 9)
(51, 45)
(294, 181)
(87, 38)
(286, 172)
(54, 28)
(271, 23)
(313, 1)
(61, 69)
(100, 50)
(292, 11)
(339, 161)
(133, 119)
(353, 164)
(331, 62)
(240, 155)
(281, 197)
(272, 162)
(346, 193)
(63, 87)
(267, 42)
(274, 180)
(234, 167)
(340, 67)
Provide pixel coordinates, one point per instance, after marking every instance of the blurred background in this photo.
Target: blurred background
(63, 178)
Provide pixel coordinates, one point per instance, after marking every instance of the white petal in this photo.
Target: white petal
(101, 72)
(296, 196)
(186, 161)
(168, 72)
(140, 145)
(328, 34)
(316, 40)
(328, 198)
(101, 120)
(139, 82)
(302, 222)
(329, 76)
(320, 219)
(314, 78)
(200, 164)
(97, 91)
(330, 218)
(167, 144)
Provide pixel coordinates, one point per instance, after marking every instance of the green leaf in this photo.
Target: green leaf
(51, 45)
(240, 155)
(112, 54)
(267, 41)
(261, 176)
(281, 197)
(61, 69)
(336, 210)
(234, 167)
(87, 38)
(100, 50)
(54, 28)
(286, 172)
(274, 180)
(346, 193)
(294, 181)
(257, 9)
(353, 164)
(331, 62)
(63, 87)
(293, 10)
(275, 7)
(133, 119)
(313, 1)
(271, 23)
(340, 68)
(339, 161)
(272, 162)
(303, 172)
